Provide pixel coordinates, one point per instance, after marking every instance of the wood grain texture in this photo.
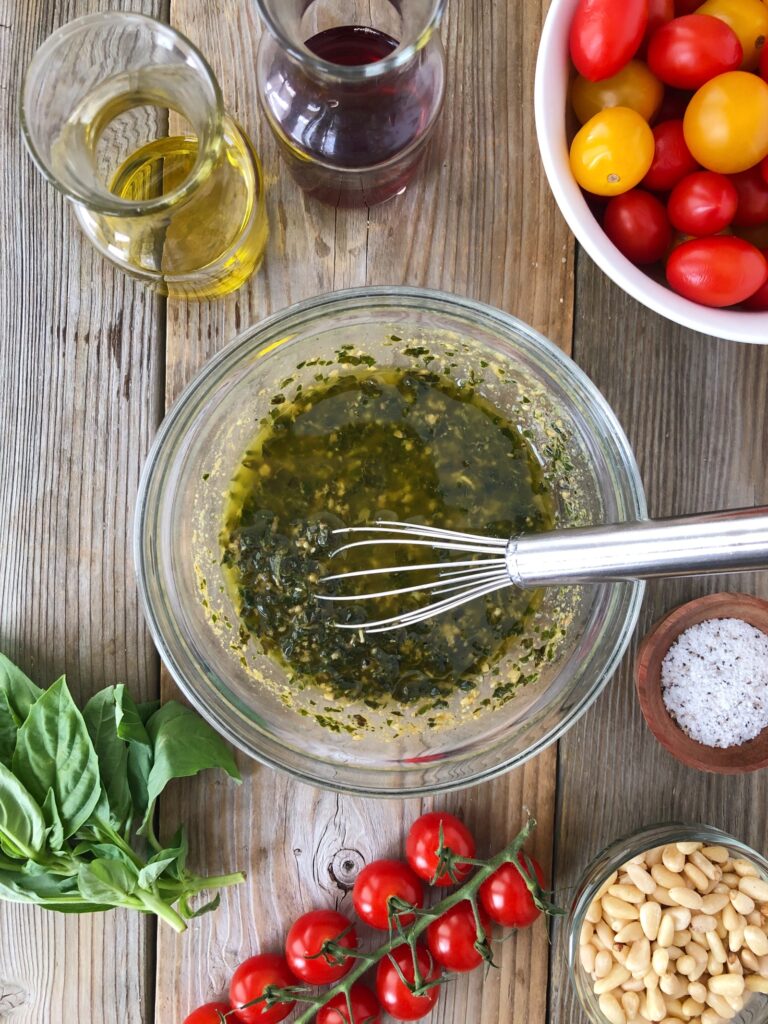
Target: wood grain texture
(478, 221)
(80, 376)
(694, 410)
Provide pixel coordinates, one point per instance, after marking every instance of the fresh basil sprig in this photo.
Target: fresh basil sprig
(78, 792)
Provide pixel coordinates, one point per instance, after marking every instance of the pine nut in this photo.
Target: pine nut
(666, 878)
(745, 869)
(666, 929)
(633, 985)
(756, 919)
(637, 859)
(650, 919)
(696, 876)
(727, 985)
(714, 967)
(674, 952)
(681, 916)
(604, 933)
(661, 895)
(698, 952)
(756, 983)
(587, 956)
(630, 1003)
(756, 888)
(620, 910)
(749, 960)
(686, 964)
(731, 879)
(612, 980)
(692, 1007)
(682, 938)
(713, 872)
(698, 991)
(762, 967)
(641, 878)
(630, 932)
(639, 956)
(736, 1002)
(628, 893)
(673, 985)
(716, 946)
(586, 933)
(620, 953)
(685, 897)
(732, 919)
(660, 961)
(657, 1008)
(717, 854)
(710, 1017)
(611, 1009)
(674, 1010)
(653, 856)
(742, 903)
(703, 923)
(756, 939)
(714, 903)
(673, 859)
(720, 1006)
(603, 963)
(736, 938)
(734, 965)
(688, 848)
(594, 912)
(606, 885)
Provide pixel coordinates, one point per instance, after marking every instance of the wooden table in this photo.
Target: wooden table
(89, 360)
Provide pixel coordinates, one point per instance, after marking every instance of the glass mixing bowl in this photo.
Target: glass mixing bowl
(243, 693)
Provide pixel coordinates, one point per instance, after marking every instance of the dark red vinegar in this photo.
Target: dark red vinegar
(351, 45)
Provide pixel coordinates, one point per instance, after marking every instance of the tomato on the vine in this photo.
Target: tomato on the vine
(365, 1008)
(452, 937)
(605, 34)
(304, 943)
(612, 152)
(758, 303)
(726, 123)
(249, 982)
(672, 159)
(748, 19)
(752, 189)
(688, 51)
(396, 998)
(717, 271)
(208, 1013)
(638, 226)
(703, 203)
(423, 842)
(634, 86)
(506, 897)
(377, 884)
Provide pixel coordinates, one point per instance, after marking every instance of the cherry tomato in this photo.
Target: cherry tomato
(250, 980)
(748, 19)
(396, 999)
(726, 123)
(758, 302)
(688, 51)
(672, 159)
(659, 13)
(423, 842)
(612, 152)
(209, 1013)
(605, 34)
(753, 198)
(377, 884)
(452, 937)
(638, 226)
(365, 1008)
(506, 897)
(703, 204)
(717, 271)
(634, 87)
(305, 940)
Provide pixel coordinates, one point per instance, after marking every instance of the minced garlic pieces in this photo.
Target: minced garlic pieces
(679, 935)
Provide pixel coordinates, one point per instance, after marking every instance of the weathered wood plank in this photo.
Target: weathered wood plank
(480, 222)
(80, 365)
(694, 410)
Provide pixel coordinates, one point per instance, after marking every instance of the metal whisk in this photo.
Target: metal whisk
(715, 542)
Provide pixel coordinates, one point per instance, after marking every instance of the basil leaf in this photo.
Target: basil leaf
(19, 692)
(8, 730)
(179, 847)
(102, 717)
(139, 767)
(23, 887)
(53, 820)
(22, 826)
(107, 881)
(54, 751)
(183, 746)
(188, 912)
(155, 868)
(146, 709)
(130, 725)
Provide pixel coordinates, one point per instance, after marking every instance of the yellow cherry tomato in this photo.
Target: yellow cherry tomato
(726, 122)
(635, 86)
(748, 19)
(612, 152)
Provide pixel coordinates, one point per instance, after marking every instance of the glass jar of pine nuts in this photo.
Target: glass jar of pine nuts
(670, 926)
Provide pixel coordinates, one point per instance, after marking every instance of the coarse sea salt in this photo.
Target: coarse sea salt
(714, 681)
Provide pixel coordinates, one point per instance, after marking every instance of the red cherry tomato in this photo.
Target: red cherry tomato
(659, 13)
(249, 982)
(396, 999)
(753, 198)
(506, 897)
(423, 842)
(605, 34)
(452, 937)
(365, 1008)
(703, 203)
(209, 1013)
(305, 941)
(672, 159)
(637, 224)
(688, 51)
(377, 884)
(718, 271)
(758, 303)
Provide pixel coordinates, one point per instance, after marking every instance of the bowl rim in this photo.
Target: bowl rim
(727, 324)
(647, 673)
(207, 378)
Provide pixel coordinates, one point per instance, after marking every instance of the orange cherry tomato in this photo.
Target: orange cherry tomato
(726, 123)
(748, 19)
(612, 152)
(635, 86)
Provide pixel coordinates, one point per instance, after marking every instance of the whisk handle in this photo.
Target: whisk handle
(716, 542)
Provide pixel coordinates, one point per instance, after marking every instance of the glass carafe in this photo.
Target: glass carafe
(183, 211)
(352, 97)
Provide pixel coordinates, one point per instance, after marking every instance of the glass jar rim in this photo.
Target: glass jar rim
(352, 73)
(102, 201)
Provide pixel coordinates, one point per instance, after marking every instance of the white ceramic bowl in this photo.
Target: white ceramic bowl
(551, 99)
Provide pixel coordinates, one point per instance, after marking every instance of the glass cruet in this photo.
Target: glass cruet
(352, 98)
(184, 211)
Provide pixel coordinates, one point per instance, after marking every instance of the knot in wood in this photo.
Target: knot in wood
(345, 867)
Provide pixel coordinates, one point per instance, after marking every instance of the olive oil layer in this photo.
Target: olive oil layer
(389, 444)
